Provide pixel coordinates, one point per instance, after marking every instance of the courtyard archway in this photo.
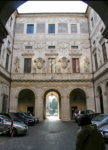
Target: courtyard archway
(26, 101)
(77, 100)
(52, 104)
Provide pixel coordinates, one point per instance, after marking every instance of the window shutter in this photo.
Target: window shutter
(77, 65)
(74, 65)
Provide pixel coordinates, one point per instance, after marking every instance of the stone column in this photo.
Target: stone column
(97, 97)
(65, 108)
(39, 107)
(105, 97)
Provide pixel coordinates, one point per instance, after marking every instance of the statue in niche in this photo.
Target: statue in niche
(3, 55)
(39, 62)
(59, 68)
(86, 64)
(16, 63)
(64, 62)
(99, 54)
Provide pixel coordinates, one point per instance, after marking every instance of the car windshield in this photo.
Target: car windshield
(76, 111)
(14, 115)
(28, 114)
(4, 117)
(100, 117)
(22, 114)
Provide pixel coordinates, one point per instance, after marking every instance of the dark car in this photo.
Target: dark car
(30, 120)
(15, 117)
(31, 116)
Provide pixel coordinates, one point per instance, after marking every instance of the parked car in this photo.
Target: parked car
(104, 132)
(78, 113)
(92, 116)
(30, 120)
(36, 120)
(100, 120)
(18, 127)
(15, 117)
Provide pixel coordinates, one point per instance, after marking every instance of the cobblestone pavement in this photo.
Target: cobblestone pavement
(47, 135)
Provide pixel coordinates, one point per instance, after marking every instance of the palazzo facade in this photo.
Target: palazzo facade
(60, 53)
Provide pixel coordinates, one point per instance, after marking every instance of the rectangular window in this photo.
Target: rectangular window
(74, 47)
(96, 63)
(51, 28)
(104, 52)
(7, 61)
(92, 22)
(75, 64)
(51, 47)
(51, 65)
(30, 28)
(28, 47)
(27, 65)
(102, 29)
(73, 28)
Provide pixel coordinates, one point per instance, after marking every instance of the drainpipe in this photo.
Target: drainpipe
(11, 62)
(92, 64)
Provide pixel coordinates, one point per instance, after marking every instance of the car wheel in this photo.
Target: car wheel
(14, 131)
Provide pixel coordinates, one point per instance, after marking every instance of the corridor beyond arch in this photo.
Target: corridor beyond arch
(77, 100)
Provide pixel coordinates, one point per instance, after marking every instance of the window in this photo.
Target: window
(8, 42)
(28, 47)
(27, 65)
(92, 22)
(96, 64)
(7, 61)
(102, 29)
(75, 64)
(73, 28)
(74, 47)
(51, 65)
(51, 28)
(30, 28)
(104, 52)
(10, 21)
(51, 47)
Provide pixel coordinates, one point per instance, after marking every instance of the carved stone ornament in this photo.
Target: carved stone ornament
(64, 62)
(39, 62)
(86, 64)
(16, 63)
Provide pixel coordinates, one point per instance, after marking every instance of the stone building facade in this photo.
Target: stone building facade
(55, 53)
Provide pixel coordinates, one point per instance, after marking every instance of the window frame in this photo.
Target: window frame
(71, 30)
(51, 28)
(26, 70)
(30, 29)
(7, 62)
(96, 61)
(75, 67)
(104, 53)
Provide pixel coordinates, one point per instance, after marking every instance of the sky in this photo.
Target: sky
(53, 6)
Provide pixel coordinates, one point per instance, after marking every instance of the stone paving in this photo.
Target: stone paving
(47, 135)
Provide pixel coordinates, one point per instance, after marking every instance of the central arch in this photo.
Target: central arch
(56, 94)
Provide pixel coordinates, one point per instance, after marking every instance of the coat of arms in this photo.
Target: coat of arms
(64, 62)
(39, 62)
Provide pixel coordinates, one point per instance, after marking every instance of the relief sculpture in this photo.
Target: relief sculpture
(16, 63)
(86, 64)
(39, 62)
(64, 62)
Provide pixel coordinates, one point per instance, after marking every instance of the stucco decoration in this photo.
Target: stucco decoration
(16, 47)
(63, 46)
(69, 69)
(59, 68)
(43, 69)
(100, 58)
(64, 62)
(16, 63)
(39, 62)
(86, 64)
(3, 56)
(86, 45)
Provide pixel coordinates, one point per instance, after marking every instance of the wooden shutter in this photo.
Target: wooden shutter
(77, 65)
(74, 65)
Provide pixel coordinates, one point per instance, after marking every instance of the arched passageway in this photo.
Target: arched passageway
(52, 104)
(8, 7)
(99, 93)
(26, 101)
(77, 101)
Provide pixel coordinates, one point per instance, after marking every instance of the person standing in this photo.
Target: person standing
(89, 136)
